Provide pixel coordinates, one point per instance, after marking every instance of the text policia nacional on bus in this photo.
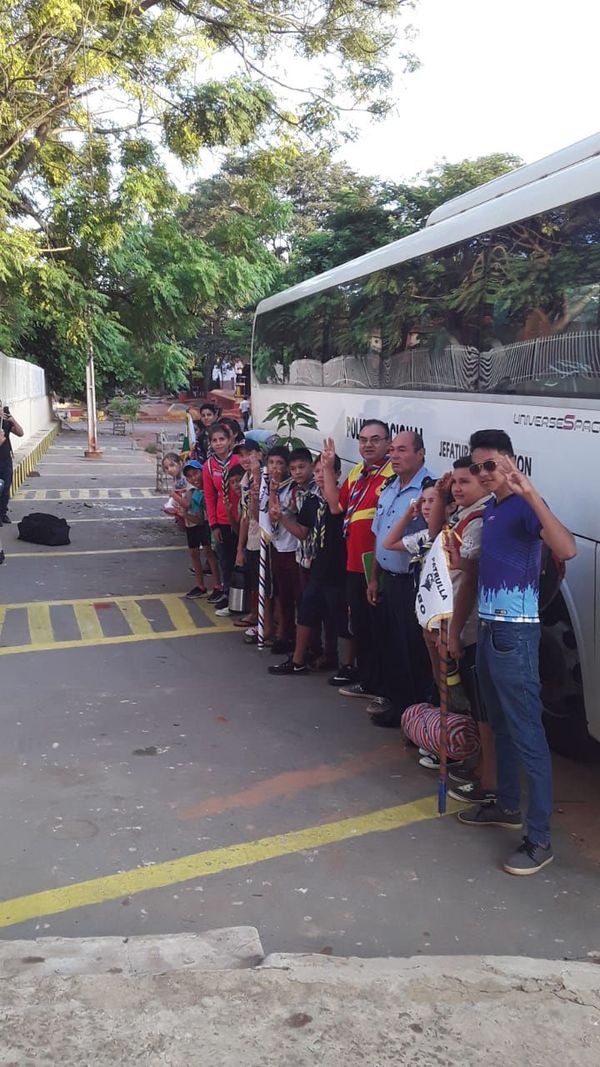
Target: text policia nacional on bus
(449, 450)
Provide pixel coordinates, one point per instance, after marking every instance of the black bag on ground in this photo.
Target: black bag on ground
(43, 529)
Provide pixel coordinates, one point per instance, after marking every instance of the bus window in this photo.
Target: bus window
(513, 311)
(544, 275)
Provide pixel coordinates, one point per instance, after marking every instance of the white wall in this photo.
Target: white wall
(23, 389)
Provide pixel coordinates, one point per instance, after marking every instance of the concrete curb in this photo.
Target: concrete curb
(27, 458)
(63, 957)
(289, 1009)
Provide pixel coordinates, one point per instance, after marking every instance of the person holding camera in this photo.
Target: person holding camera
(8, 425)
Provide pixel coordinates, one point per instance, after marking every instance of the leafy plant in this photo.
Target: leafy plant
(128, 407)
(291, 416)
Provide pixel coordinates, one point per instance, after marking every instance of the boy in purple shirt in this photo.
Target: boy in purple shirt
(515, 522)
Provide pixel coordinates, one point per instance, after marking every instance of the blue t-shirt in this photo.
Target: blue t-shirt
(511, 559)
(197, 505)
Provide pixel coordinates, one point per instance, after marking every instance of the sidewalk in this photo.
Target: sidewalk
(212, 999)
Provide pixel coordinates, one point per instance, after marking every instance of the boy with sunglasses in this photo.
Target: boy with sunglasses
(515, 522)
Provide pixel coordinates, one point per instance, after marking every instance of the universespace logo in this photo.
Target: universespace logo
(566, 421)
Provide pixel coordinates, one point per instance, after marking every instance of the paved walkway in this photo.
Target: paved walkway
(155, 779)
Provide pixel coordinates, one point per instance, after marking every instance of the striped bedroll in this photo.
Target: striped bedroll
(421, 724)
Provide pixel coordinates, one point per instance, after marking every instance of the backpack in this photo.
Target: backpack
(43, 529)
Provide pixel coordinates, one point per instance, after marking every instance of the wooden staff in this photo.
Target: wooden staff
(443, 687)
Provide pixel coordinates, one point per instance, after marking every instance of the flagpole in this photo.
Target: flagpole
(443, 688)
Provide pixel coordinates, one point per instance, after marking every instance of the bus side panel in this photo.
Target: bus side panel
(579, 594)
(563, 466)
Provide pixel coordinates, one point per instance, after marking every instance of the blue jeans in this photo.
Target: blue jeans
(509, 682)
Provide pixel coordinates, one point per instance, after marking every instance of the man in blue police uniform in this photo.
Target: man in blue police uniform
(405, 665)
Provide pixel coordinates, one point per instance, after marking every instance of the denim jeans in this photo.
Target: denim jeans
(508, 677)
(6, 476)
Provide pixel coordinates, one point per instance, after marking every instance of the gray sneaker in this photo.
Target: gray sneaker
(355, 690)
(529, 858)
(471, 793)
(491, 815)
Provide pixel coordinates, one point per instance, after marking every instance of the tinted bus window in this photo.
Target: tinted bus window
(515, 311)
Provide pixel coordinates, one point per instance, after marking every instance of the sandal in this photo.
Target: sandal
(251, 638)
(245, 621)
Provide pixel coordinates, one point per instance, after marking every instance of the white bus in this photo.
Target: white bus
(488, 317)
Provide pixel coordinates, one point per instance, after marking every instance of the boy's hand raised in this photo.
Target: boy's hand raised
(518, 483)
(274, 510)
(328, 453)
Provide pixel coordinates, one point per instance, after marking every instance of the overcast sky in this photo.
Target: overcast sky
(518, 76)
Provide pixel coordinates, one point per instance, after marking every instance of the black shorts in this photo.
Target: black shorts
(252, 559)
(324, 601)
(198, 536)
(468, 678)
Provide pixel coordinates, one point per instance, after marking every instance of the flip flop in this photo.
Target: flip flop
(244, 622)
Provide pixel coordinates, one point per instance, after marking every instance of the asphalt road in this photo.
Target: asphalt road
(155, 779)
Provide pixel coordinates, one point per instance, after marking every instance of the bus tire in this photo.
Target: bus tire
(561, 684)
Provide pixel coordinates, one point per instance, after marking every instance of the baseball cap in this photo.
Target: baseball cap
(195, 463)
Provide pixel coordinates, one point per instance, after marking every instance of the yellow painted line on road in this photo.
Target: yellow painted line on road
(155, 517)
(134, 616)
(84, 465)
(93, 600)
(40, 625)
(163, 635)
(95, 552)
(178, 612)
(212, 861)
(142, 492)
(88, 618)
(88, 623)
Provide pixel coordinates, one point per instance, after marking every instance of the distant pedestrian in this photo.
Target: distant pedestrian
(245, 413)
(217, 375)
(8, 425)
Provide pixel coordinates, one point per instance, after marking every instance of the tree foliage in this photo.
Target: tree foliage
(95, 250)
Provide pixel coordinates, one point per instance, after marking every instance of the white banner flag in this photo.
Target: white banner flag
(434, 595)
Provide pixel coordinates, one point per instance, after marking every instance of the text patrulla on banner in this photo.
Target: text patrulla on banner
(434, 595)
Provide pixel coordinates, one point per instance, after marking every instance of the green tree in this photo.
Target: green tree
(369, 212)
(87, 92)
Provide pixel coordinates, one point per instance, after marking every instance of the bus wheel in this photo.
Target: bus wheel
(561, 685)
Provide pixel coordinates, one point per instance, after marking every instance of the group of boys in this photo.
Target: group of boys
(340, 569)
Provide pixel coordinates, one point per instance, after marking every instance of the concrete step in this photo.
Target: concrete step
(63, 957)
